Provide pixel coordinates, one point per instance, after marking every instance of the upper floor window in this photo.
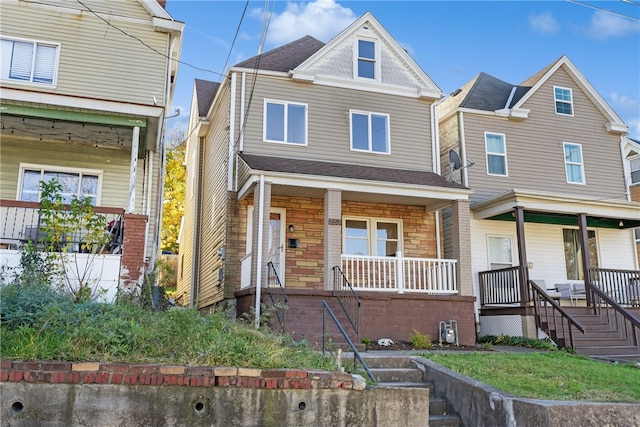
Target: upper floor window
(285, 122)
(371, 236)
(28, 61)
(573, 163)
(366, 59)
(370, 132)
(496, 154)
(634, 164)
(564, 100)
(74, 182)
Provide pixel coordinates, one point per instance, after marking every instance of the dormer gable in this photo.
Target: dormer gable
(364, 56)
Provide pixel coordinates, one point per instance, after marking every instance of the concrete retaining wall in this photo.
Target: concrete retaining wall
(479, 405)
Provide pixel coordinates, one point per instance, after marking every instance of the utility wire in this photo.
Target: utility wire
(622, 15)
(244, 11)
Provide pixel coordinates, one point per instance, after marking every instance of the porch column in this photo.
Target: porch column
(461, 235)
(584, 247)
(133, 170)
(523, 272)
(332, 234)
(132, 267)
(260, 262)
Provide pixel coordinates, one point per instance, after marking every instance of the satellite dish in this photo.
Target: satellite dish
(454, 158)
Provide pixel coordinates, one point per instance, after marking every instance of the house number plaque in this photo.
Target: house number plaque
(333, 221)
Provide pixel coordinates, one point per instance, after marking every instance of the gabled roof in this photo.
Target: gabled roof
(284, 58)
(205, 92)
(490, 94)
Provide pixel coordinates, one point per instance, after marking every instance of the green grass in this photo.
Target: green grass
(39, 325)
(555, 375)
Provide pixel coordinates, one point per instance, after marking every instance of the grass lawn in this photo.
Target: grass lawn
(552, 375)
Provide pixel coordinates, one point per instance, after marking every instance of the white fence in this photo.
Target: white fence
(400, 274)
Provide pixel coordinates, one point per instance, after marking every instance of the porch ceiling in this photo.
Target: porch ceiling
(548, 208)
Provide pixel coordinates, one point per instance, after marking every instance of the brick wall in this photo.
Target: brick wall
(192, 376)
(133, 262)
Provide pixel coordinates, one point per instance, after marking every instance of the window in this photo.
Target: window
(573, 163)
(370, 236)
(499, 252)
(573, 252)
(637, 235)
(366, 59)
(496, 154)
(28, 61)
(564, 101)
(370, 132)
(634, 164)
(285, 122)
(74, 183)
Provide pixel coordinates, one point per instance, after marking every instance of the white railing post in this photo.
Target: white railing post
(399, 272)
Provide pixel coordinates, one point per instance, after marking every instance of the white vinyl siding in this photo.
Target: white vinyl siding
(496, 149)
(563, 98)
(29, 61)
(370, 132)
(574, 165)
(371, 236)
(634, 166)
(285, 122)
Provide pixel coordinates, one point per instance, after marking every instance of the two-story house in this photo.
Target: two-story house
(545, 162)
(631, 152)
(313, 171)
(86, 87)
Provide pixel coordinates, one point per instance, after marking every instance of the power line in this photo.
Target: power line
(244, 11)
(622, 15)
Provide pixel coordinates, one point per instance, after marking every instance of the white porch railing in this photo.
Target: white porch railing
(400, 274)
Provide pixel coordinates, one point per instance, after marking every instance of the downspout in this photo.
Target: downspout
(626, 173)
(148, 203)
(195, 257)
(242, 101)
(232, 131)
(463, 149)
(435, 153)
(259, 254)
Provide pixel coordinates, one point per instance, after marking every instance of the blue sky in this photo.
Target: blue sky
(452, 41)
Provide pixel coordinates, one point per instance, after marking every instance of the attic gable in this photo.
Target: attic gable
(365, 57)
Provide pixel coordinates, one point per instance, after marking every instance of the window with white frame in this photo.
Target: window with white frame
(499, 252)
(366, 60)
(564, 100)
(637, 235)
(496, 153)
(371, 236)
(370, 132)
(74, 182)
(28, 61)
(574, 165)
(573, 252)
(634, 165)
(285, 122)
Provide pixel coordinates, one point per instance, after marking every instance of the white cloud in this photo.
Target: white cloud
(322, 19)
(623, 101)
(543, 23)
(634, 128)
(605, 26)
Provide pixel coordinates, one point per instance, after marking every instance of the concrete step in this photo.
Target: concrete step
(437, 406)
(444, 421)
(382, 361)
(397, 374)
(409, 384)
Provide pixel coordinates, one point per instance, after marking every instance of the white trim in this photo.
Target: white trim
(232, 129)
(570, 101)
(376, 59)
(635, 158)
(499, 236)
(35, 43)
(52, 168)
(503, 155)
(369, 114)
(372, 238)
(285, 105)
(567, 163)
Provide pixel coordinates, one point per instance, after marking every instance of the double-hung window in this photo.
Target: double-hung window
(634, 165)
(366, 59)
(564, 100)
(573, 163)
(370, 132)
(372, 236)
(28, 61)
(74, 182)
(285, 122)
(496, 153)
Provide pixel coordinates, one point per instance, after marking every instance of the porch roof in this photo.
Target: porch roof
(556, 208)
(357, 182)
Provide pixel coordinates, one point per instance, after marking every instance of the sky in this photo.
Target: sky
(452, 41)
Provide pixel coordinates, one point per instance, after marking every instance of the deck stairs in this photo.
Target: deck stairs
(400, 371)
(603, 339)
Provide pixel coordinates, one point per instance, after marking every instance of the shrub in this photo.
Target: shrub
(420, 341)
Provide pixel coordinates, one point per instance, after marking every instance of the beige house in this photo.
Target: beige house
(313, 172)
(545, 161)
(85, 91)
(631, 151)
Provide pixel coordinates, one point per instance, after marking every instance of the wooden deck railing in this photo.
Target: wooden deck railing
(500, 286)
(622, 286)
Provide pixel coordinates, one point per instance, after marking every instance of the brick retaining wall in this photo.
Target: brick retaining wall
(192, 376)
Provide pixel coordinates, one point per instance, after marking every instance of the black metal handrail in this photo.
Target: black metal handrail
(542, 305)
(356, 354)
(347, 298)
(277, 298)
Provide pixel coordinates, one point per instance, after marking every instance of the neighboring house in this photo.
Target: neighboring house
(314, 167)
(86, 87)
(631, 152)
(548, 187)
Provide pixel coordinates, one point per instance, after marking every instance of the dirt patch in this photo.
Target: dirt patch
(406, 345)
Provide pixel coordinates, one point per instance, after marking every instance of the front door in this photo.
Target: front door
(276, 241)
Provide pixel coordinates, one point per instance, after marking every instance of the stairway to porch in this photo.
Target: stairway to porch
(603, 339)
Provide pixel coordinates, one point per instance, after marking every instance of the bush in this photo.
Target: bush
(517, 342)
(420, 341)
